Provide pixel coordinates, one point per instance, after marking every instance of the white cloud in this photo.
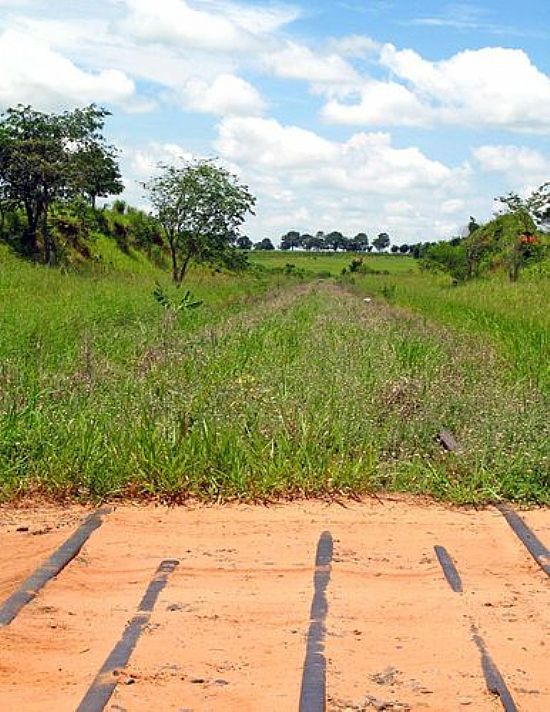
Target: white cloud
(31, 72)
(265, 142)
(489, 87)
(454, 205)
(380, 103)
(227, 95)
(524, 168)
(296, 61)
(355, 45)
(216, 26)
(307, 182)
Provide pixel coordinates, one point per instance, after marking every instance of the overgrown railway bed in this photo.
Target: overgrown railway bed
(388, 604)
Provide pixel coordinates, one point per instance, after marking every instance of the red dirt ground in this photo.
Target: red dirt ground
(228, 632)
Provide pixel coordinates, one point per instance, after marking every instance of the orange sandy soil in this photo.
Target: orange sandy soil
(229, 630)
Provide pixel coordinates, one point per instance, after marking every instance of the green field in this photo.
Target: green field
(279, 385)
(333, 263)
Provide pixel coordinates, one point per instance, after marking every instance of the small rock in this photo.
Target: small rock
(465, 701)
(197, 680)
(22, 529)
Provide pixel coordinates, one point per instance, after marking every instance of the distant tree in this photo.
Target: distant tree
(381, 242)
(264, 244)
(335, 241)
(316, 242)
(361, 242)
(307, 241)
(201, 207)
(290, 240)
(394, 249)
(404, 249)
(472, 225)
(244, 243)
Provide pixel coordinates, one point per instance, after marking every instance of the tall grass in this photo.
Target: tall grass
(514, 317)
(258, 394)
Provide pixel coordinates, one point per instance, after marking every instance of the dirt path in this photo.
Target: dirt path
(228, 628)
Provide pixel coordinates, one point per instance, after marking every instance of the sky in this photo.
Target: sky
(398, 116)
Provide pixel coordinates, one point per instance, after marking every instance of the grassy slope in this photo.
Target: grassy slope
(513, 317)
(301, 389)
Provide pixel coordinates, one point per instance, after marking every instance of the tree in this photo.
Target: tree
(313, 242)
(394, 249)
(41, 161)
(290, 240)
(361, 242)
(244, 243)
(264, 244)
(335, 240)
(200, 207)
(96, 172)
(381, 242)
(472, 225)
(404, 249)
(537, 204)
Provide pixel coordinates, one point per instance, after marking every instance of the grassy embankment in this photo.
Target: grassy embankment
(300, 388)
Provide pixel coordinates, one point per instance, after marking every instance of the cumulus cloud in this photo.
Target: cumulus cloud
(214, 26)
(296, 61)
(265, 142)
(31, 72)
(364, 183)
(380, 103)
(523, 168)
(489, 87)
(227, 95)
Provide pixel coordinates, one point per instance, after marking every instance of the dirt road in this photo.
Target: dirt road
(277, 608)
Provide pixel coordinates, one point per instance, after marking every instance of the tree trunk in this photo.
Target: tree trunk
(50, 248)
(30, 242)
(183, 269)
(174, 255)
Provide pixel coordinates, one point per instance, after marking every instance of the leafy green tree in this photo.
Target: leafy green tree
(41, 160)
(264, 244)
(313, 242)
(404, 249)
(200, 207)
(96, 172)
(361, 242)
(381, 242)
(335, 241)
(244, 243)
(291, 240)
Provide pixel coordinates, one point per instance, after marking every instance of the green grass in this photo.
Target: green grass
(513, 317)
(333, 263)
(275, 387)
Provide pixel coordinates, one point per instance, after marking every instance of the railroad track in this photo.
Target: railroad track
(390, 606)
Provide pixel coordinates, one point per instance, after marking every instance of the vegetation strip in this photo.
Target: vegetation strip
(493, 678)
(539, 552)
(106, 680)
(313, 690)
(51, 568)
(449, 568)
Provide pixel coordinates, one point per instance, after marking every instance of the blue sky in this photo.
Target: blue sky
(381, 115)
